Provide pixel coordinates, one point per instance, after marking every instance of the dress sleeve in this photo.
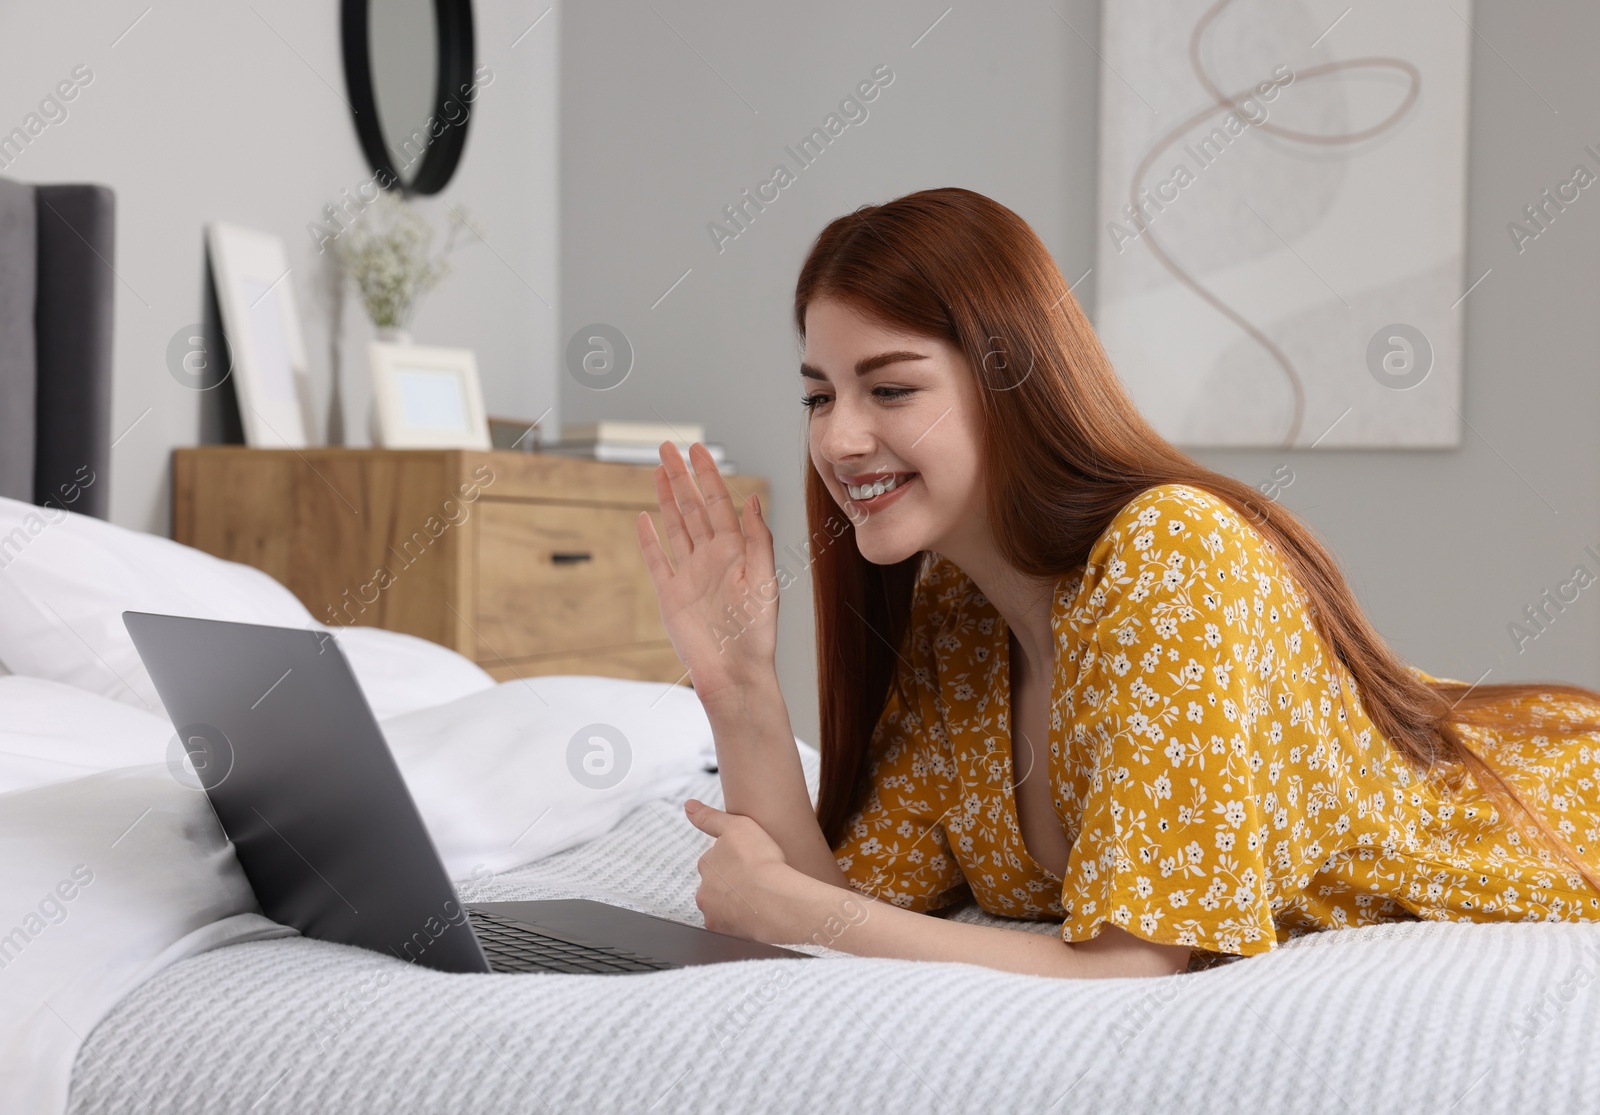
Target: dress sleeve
(895, 846)
(1172, 846)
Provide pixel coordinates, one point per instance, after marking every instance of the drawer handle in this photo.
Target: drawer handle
(570, 558)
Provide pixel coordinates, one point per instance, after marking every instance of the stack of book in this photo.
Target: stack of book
(635, 443)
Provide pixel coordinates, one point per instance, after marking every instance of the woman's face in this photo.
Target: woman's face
(900, 408)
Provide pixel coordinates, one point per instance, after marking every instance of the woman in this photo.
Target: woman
(1068, 671)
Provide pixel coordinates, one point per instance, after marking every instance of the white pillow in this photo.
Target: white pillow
(508, 775)
(401, 673)
(50, 732)
(65, 580)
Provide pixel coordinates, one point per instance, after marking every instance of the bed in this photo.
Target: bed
(137, 973)
(1419, 1016)
(158, 986)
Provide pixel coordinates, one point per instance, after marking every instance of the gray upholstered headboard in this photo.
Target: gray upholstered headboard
(56, 290)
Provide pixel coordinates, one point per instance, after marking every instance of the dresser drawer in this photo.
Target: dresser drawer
(557, 579)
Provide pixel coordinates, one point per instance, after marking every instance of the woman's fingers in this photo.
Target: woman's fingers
(672, 518)
(719, 503)
(690, 502)
(655, 558)
(758, 553)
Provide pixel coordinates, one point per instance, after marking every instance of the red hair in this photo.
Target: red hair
(958, 266)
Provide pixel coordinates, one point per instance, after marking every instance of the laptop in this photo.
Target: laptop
(276, 730)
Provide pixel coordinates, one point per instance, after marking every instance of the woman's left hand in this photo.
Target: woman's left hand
(746, 888)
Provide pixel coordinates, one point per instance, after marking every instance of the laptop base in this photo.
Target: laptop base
(615, 938)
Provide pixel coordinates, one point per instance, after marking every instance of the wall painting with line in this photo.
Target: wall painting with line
(1281, 218)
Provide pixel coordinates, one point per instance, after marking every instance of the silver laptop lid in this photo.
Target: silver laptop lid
(286, 747)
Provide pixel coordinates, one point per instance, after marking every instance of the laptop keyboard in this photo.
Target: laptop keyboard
(516, 946)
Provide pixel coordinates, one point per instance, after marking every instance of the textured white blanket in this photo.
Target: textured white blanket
(1409, 1017)
(112, 865)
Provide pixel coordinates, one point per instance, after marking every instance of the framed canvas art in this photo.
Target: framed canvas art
(1281, 236)
(256, 301)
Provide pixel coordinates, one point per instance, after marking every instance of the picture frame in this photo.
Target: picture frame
(427, 398)
(250, 270)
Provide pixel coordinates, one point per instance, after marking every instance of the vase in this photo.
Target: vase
(389, 335)
(335, 396)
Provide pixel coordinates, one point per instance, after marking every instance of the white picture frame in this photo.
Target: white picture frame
(250, 269)
(427, 398)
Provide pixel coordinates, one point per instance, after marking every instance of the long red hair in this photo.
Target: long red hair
(953, 264)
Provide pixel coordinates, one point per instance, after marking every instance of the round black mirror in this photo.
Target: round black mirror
(408, 65)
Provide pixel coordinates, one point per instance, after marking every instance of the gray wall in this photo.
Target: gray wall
(659, 132)
(669, 113)
(206, 111)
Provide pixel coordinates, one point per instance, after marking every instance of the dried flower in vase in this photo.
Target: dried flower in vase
(389, 254)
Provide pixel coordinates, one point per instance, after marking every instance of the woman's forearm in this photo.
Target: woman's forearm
(762, 777)
(749, 889)
(870, 927)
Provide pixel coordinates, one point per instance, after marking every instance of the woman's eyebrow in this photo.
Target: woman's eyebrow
(868, 363)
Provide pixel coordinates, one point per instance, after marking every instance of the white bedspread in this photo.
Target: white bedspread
(1405, 1018)
(107, 878)
(111, 869)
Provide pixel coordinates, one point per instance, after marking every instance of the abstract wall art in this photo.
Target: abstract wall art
(1281, 218)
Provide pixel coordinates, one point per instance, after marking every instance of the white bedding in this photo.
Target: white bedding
(1402, 1018)
(111, 867)
(106, 879)
(125, 918)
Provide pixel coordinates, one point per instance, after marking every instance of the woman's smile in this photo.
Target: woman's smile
(881, 492)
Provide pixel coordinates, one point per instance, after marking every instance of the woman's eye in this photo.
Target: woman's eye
(812, 402)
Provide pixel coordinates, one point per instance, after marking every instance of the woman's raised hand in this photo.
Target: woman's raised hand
(719, 591)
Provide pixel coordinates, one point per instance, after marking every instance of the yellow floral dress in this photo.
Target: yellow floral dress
(1210, 763)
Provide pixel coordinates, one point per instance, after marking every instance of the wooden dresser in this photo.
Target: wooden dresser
(526, 563)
